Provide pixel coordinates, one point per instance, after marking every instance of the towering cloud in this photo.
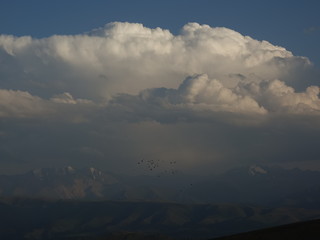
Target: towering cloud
(127, 58)
(212, 79)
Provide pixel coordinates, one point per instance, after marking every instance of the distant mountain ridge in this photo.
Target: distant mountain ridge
(262, 185)
(57, 183)
(253, 184)
(75, 203)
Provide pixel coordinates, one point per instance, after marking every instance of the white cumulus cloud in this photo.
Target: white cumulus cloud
(21, 104)
(126, 90)
(128, 57)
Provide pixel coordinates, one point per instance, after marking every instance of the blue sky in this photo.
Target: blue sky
(294, 25)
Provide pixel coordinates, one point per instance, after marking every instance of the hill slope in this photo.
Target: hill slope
(31, 219)
(304, 230)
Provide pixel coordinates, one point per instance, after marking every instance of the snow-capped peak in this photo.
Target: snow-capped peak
(95, 172)
(255, 169)
(70, 169)
(46, 172)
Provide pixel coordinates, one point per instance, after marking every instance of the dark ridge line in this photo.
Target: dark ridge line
(309, 230)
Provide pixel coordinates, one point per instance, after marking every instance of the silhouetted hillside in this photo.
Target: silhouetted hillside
(309, 230)
(38, 219)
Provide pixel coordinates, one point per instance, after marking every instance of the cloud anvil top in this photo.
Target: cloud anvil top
(152, 78)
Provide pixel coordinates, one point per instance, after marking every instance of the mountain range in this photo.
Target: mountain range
(269, 186)
(69, 203)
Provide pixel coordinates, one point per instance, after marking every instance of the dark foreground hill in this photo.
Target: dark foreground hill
(39, 219)
(309, 230)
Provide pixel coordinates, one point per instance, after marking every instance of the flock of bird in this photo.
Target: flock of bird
(152, 165)
(163, 168)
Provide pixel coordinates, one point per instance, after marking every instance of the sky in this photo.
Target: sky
(209, 84)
